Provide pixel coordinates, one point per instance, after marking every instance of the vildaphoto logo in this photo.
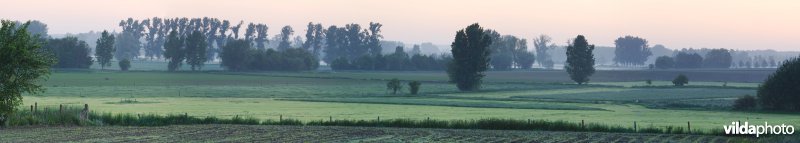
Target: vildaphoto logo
(754, 129)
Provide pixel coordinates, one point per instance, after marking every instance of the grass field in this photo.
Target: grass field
(256, 133)
(350, 95)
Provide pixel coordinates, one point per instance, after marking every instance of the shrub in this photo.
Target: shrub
(781, 90)
(394, 85)
(680, 80)
(124, 65)
(414, 87)
(746, 102)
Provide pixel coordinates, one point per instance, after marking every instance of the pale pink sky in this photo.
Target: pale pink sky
(736, 24)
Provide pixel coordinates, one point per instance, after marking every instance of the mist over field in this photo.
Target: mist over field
(399, 71)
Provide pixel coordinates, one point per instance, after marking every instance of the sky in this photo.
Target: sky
(732, 24)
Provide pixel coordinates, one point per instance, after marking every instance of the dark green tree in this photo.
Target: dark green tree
(127, 42)
(23, 63)
(286, 34)
(471, 52)
(124, 64)
(665, 62)
(70, 52)
(580, 60)
(414, 87)
(542, 47)
(631, 50)
(174, 50)
(718, 58)
(781, 90)
(686, 60)
(373, 41)
(680, 80)
(196, 50)
(394, 85)
(236, 55)
(104, 49)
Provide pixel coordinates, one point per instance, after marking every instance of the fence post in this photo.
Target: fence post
(689, 125)
(583, 126)
(31, 109)
(634, 127)
(280, 118)
(330, 118)
(379, 118)
(61, 108)
(35, 106)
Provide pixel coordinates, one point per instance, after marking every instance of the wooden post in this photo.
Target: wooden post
(634, 127)
(330, 118)
(583, 125)
(86, 107)
(689, 125)
(379, 118)
(31, 109)
(61, 108)
(35, 106)
(280, 118)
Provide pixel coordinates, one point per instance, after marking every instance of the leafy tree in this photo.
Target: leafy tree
(341, 63)
(631, 50)
(235, 55)
(174, 51)
(23, 62)
(196, 50)
(261, 36)
(746, 102)
(718, 58)
(70, 52)
(373, 39)
(394, 85)
(665, 62)
(35, 28)
(781, 90)
(127, 42)
(580, 60)
(124, 64)
(414, 87)
(154, 26)
(398, 60)
(502, 57)
(687, 60)
(314, 38)
(470, 51)
(104, 49)
(542, 48)
(286, 33)
(525, 59)
(680, 80)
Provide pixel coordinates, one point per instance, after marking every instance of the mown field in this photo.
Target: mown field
(362, 95)
(256, 133)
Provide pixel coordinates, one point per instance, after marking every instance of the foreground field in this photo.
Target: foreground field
(263, 133)
(363, 95)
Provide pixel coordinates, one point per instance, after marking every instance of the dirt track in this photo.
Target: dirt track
(263, 133)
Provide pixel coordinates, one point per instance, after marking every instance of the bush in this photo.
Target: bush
(746, 102)
(414, 87)
(680, 80)
(124, 65)
(394, 85)
(781, 90)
